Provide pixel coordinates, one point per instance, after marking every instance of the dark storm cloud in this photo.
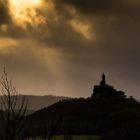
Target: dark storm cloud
(4, 12)
(103, 6)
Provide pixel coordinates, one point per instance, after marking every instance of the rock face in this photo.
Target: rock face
(105, 91)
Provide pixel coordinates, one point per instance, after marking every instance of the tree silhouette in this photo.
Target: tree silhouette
(12, 110)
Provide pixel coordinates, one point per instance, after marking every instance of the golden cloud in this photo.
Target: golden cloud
(25, 12)
(81, 28)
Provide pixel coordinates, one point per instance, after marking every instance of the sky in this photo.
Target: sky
(62, 47)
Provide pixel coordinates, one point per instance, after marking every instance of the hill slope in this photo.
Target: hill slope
(107, 113)
(37, 102)
(86, 116)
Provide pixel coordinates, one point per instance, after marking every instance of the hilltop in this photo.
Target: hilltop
(107, 113)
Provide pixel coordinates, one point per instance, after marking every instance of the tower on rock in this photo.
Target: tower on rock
(105, 91)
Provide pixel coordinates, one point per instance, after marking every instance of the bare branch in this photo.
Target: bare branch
(12, 111)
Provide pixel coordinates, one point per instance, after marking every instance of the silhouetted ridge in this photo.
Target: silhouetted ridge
(107, 113)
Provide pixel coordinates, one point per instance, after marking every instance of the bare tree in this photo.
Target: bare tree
(12, 110)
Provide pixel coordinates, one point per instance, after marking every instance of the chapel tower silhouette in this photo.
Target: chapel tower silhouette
(105, 91)
(103, 82)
